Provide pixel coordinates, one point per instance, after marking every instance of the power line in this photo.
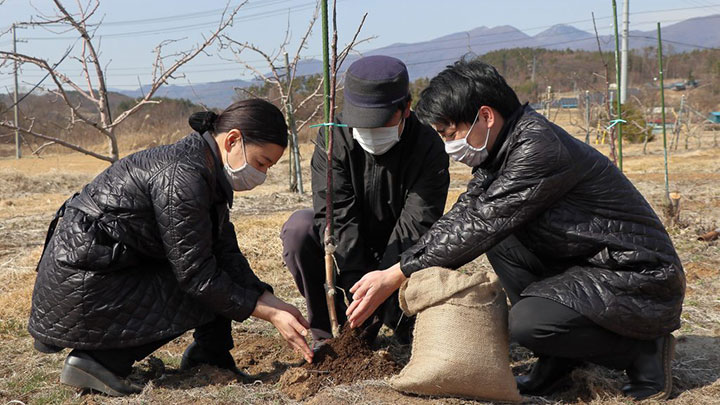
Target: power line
(185, 28)
(310, 5)
(552, 25)
(40, 82)
(142, 69)
(423, 51)
(177, 17)
(676, 42)
(411, 63)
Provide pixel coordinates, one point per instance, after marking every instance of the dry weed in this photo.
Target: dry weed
(30, 192)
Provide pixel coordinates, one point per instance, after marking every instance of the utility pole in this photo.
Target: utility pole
(618, 118)
(547, 102)
(18, 153)
(587, 116)
(534, 63)
(662, 105)
(625, 49)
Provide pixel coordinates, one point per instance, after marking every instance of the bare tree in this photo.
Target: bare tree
(282, 76)
(93, 89)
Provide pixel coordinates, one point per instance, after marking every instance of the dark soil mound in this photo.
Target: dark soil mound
(341, 360)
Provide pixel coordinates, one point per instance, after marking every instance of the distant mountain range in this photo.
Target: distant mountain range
(213, 94)
(426, 59)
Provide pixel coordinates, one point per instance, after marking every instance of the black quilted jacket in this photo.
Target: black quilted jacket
(382, 204)
(146, 251)
(572, 207)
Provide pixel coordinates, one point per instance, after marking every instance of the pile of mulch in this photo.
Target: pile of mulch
(342, 360)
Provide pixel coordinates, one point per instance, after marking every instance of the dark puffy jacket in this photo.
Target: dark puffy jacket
(145, 251)
(384, 203)
(572, 207)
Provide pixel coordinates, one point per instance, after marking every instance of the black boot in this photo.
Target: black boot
(82, 371)
(650, 373)
(549, 374)
(196, 355)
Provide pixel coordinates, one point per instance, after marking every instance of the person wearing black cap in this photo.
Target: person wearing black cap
(590, 271)
(146, 251)
(390, 184)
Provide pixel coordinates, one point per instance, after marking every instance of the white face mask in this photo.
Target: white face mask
(246, 177)
(463, 152)
(377, 141)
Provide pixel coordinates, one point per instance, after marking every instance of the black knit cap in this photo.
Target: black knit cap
(374, 87)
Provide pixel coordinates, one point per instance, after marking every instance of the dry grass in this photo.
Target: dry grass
(31, 190)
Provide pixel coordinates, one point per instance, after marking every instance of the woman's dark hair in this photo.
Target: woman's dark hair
(258, 120)
(456, 94)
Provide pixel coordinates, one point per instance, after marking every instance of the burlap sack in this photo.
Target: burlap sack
(460, 345)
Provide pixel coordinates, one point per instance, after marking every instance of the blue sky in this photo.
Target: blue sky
(132, 28)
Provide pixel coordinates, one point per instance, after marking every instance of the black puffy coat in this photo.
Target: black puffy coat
(146, 251)
(382, 203)
(572, 207)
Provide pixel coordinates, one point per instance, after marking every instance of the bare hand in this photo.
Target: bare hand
(287, 320)
(371, 291)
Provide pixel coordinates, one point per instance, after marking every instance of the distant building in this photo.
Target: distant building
(669, 111)
(679, 86)
(568, 102)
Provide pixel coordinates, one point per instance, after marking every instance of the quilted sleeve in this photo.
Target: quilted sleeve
(181, 199)
(539, 171)
(231, 259)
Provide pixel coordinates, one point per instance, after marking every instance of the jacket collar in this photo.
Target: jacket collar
(507, 128)
(219, 171)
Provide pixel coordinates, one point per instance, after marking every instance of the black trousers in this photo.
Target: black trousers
(304, 257)
(549, 328)
(214, 337)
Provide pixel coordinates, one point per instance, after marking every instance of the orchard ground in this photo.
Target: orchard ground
(32, 188)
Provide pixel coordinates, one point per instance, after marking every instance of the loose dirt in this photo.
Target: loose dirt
(341, 360)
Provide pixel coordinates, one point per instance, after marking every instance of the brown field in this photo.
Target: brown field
(31, 190)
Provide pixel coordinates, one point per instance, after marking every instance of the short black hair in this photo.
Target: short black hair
(456, 94)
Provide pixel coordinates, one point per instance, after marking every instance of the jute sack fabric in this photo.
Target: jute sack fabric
(460, 344)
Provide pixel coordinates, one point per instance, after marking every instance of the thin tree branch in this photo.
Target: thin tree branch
(344, 53)
(37, 151)
(310, 117)
(225, 22)
(312, 95)
(303, 42)
(66, 144)
(58, 78)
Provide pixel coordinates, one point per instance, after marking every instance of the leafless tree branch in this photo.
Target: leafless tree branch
(59, 79)
(93, 73)
(303, 41)
(29, 131)
(310, 117)
(224, 23)
(344, 53)
(37, 151)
